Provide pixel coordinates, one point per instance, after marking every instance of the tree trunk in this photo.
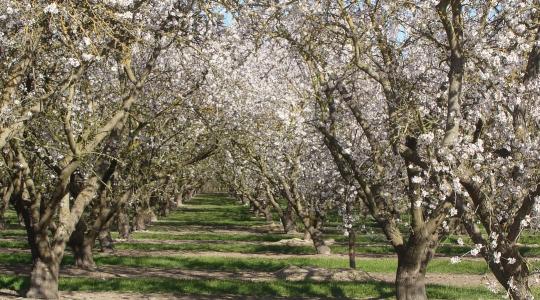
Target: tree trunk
(307, 235)
(411, 273)
(179, 200)
(82, 244)
(516, 273)
(123, 222)
(352, 252)
(513, 277)
(165, 207)
(288, 221)
(83, 256)
(268, 214)
(180, 197)
(319, 243)
(44, 279)
(190, 194)
(139, 223)
(313, 232)
(6, 195)
(105, 239)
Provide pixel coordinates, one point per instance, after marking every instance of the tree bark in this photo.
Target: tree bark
(288, 221)
(513, 277)
(105, 238)
(82, 244)
(352, 250)
(44, 279)
(179, 199)
(123, 222)
(411, 272)
(318, 241)
(83, 256)
(6, 195)
(268, 214)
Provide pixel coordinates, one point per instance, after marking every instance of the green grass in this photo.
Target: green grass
(446, 250)
(14, 244)
(233, 264)
(278, 288)
(11, 233)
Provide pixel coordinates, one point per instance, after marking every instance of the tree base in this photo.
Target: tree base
(43, 283)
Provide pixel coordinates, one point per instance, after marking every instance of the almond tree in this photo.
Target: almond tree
(57, 174)
(496, 156)
(363, 80)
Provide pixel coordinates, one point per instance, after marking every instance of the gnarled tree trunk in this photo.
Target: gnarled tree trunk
(44, 279)
(82, 244)
(411, 272)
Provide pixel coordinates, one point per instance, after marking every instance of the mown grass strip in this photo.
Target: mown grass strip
(235, 264)
(445, 250)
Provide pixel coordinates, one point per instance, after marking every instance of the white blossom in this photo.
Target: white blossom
(51, 9)
(417, 179)
(496, 257)
(74, 62)
(455, 259)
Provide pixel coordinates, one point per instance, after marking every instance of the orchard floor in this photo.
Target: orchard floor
(213, 248)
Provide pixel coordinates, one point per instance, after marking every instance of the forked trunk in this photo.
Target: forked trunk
(44, 280)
